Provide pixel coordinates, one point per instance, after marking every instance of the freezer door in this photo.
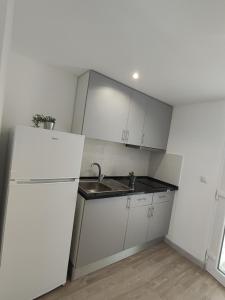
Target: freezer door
(37, 238)
(43, 154)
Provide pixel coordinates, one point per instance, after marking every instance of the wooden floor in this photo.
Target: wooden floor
(157, 273)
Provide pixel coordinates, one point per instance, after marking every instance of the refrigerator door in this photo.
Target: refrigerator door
(37, 238)
(45, 154)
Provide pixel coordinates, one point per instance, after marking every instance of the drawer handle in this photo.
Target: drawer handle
(128, 203)
(141, 199)
(162, 196)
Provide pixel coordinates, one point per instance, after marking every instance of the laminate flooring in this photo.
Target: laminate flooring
(158, 273)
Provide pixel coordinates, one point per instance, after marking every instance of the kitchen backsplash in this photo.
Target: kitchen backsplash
(166, 167)
(115, 159)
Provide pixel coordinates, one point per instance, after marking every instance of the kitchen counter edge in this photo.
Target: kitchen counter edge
(146, 189)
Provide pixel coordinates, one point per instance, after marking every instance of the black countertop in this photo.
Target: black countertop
(143, 184)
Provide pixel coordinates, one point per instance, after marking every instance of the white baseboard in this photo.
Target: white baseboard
(184, 253)
(87, 269)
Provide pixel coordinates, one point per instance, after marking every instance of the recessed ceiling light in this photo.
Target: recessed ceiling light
(135, 75)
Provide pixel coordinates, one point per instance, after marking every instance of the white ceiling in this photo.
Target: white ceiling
(177, 46)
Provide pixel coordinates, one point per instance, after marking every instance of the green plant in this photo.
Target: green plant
(40, 118)
(49, 119)
(37, 119)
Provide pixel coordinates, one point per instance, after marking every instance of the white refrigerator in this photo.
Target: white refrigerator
(39, 213)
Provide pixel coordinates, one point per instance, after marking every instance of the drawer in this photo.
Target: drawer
(163, 197)
(139, 200)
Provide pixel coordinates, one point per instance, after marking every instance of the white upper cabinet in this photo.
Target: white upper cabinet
(106, 110)
(157, 124)
(136, 117)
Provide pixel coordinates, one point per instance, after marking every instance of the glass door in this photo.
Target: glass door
(221, 263)
(215, 256)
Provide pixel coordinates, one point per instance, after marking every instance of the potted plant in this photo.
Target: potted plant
(49, 122)
(37, 119)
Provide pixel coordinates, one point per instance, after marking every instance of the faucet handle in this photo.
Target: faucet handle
(131, 173)
(101, 177)
(132, 179)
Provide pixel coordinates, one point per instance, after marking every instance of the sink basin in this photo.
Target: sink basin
(106, 186)
(94, 187)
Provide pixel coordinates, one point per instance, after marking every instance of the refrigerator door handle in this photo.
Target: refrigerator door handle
(33, 181)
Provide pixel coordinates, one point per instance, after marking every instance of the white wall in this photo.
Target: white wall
(6, 22)
(115, 159)
(197, 133)
(33, 87)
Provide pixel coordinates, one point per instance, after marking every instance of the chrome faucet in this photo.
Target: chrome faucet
(100, 175)
(132, 179)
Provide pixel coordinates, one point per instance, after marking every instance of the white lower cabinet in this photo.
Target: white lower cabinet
(159, 221)
(149, 220)
(103, 229)
(137, 226)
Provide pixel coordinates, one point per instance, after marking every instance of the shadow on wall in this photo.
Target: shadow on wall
(4, 161)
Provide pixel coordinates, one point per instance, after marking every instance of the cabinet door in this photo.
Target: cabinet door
(160, 220)
(103, 229)
(157, 124)
(136, 118)
(107, 109)
(137, 226)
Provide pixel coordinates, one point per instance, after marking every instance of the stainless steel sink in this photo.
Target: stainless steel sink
(106, 186)
(94, 187)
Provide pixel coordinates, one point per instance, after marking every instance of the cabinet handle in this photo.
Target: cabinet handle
(128, 203)
(153, 208)
(127, 135)
(142, 139)
(162, 196)
(150, 212)
(123, 134)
